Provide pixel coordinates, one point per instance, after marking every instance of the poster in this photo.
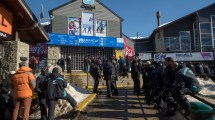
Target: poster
(73, 26)
(39, 50)
(87, 24)
(101, 28)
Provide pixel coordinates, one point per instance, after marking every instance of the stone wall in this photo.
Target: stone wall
(12, 51)
(53, 54)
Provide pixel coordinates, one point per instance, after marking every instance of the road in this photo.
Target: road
(125, 106)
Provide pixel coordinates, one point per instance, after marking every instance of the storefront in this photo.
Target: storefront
(80, 30)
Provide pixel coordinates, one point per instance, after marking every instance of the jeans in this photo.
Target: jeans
(52, 103)
(27, 104)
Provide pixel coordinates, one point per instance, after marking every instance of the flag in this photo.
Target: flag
(42, 12)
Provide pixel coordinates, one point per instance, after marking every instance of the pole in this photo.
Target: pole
(87, 79)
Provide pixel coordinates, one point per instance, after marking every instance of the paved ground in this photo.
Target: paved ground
(125, 106)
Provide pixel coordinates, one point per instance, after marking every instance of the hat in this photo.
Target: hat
(55, 70)
(22, 64)
(169, 59)
(12, 72)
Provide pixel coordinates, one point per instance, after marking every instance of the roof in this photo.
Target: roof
(189, 15)
(128, 38)
(28, 26)
(50, 11)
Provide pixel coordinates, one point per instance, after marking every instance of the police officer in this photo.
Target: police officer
(185, 82)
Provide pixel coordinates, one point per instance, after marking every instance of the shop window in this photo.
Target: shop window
(206, 39)
(174, 44)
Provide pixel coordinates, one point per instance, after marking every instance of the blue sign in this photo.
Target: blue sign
(88, 2)
(93, 41)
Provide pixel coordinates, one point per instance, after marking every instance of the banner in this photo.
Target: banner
(73, 26)
(145, 56)
(87, 24)
(198, 56)
(128, 50)
(39, 50)
(101, 28)
(5, 23)
(119, 53)
(75, 40)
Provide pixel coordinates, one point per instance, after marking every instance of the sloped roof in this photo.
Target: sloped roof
(50, 11)
(30, 29)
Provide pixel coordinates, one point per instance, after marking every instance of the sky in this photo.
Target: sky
(139, 15)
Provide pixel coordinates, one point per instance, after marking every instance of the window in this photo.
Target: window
(171, 43)
(185, 40)
(213, 29)
(206, 36)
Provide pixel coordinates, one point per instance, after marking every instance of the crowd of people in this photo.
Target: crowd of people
(20, 85)
(167, 81)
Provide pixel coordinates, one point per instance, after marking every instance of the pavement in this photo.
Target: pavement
(124, 106)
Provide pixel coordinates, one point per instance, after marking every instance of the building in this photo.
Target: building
(78, 30)
(18, 28)
(194, 32)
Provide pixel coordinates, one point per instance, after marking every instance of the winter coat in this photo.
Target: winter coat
(55, 86)
(23, 82)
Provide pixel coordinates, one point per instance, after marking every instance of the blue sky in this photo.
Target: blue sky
(139, 15)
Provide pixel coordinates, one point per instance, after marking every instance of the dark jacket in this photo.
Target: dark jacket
(95, 71)
(41, 83)
(109, 70)
(135, 71)
(185, 77)
(4, 91)
(55, 86)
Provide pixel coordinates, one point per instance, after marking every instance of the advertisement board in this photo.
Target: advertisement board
(39, 50)
(5, 23)
(101, 28)
(94, 41)
(73, 26)
(145, 56)
(87, 24)
(194, 56)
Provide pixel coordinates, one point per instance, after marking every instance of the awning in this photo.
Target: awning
(25, 22)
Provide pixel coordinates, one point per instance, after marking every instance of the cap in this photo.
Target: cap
(55, 70)
(22, 64)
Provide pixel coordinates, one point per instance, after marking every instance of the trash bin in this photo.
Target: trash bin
(201, 111)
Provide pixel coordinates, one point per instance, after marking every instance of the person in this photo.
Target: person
(110, 77)
(68, 64)
(24, 83)
(40, 89)
(55, 89)
(96, 74)
(185, 82)
(61, 63)
(6, 96)
(121, 63)
(135, 75)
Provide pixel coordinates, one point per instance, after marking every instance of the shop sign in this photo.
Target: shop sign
(76, 40)
(88, 2)
(194, 56)
(5, 23)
